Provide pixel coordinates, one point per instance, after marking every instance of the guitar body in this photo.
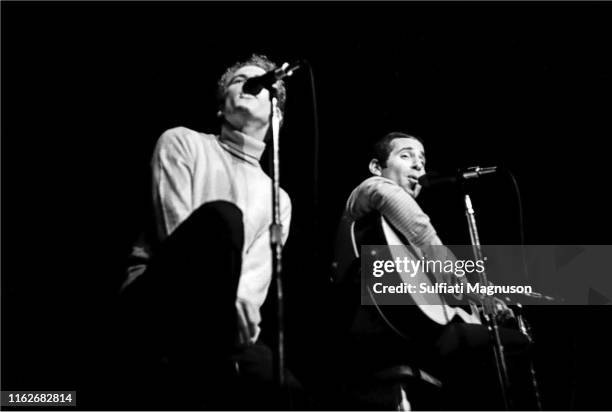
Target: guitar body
(424, 317)
(432, 305)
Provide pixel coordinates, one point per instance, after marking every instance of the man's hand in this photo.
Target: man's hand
(248, 320)
(498, 307)
(503, 312)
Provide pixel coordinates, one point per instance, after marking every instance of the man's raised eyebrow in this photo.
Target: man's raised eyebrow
(412, 149)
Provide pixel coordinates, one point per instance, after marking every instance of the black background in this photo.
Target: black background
(87, 88)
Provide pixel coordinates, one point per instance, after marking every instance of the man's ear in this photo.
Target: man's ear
(375, 167)
(279, 113)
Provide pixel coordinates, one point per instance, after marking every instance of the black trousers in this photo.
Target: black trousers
(180, 325)
(458, 354)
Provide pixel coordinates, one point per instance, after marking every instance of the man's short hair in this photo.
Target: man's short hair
(258, 60)
(381, 149)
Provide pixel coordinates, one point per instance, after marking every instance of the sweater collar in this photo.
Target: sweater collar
(244, 146)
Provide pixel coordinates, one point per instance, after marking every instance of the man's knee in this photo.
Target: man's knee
(209, 241)
(222, 218)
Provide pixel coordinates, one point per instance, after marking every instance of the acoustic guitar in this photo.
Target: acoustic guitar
(431, 309)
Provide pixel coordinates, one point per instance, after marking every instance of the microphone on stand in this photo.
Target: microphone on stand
(254, 85)
(434, 179)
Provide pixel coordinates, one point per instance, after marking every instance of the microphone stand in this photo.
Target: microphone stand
(488, 306)
(276, 233)
(526, 331)
(276, 243)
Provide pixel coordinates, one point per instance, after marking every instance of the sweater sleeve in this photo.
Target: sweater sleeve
(396, 205)
(172, 166)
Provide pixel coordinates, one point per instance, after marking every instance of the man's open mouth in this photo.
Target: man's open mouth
(413, 181)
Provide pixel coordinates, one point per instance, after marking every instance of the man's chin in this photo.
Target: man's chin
(241, 115)
(243, 108)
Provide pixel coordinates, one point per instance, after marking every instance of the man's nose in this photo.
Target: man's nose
(417, 165)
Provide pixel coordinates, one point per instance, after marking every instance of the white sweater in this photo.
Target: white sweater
(190, 169)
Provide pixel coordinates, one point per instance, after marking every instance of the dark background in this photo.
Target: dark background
(87, 88)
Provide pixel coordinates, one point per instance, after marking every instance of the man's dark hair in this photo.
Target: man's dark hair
(381, 149)
(258, 60)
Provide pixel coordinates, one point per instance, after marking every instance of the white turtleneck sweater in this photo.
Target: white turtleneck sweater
(190, 169)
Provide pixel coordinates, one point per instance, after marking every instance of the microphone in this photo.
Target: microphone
(432, 179)
(265, 81)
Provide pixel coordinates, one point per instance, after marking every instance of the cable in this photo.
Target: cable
(521, 221)
(315, 171)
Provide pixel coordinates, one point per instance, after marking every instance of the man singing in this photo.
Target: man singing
(383, 338)
(200, 273)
